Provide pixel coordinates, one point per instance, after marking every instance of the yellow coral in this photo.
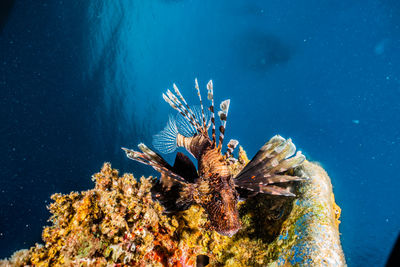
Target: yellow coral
(117, 222)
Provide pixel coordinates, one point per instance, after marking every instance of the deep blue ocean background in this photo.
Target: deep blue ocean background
(80, 79)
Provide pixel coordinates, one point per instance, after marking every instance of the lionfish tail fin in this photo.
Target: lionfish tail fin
(231, 147)
(270, 166)
(210, 96)
(223, 115)
(149, 157)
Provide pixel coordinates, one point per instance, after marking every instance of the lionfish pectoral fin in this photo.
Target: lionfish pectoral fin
(185, 167)
(267, 184)
(170, 198)
(268, 167)
(149, 157)
(276, 190)
(166, 140)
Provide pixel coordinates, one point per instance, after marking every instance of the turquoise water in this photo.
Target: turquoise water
(83, 79)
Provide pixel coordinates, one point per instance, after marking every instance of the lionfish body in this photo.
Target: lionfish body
(212, 185)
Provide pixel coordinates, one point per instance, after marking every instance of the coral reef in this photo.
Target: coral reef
(118, 224)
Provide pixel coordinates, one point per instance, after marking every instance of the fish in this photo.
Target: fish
(212, 185)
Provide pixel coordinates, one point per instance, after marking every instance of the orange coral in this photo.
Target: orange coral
(118, 224)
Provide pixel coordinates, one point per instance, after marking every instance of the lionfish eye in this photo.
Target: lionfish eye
(217, 198)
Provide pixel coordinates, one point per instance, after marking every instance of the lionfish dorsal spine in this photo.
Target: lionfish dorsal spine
(223, 115)
(210, 96)
(203, 117)
(174, 102)
(189, 129)
(188, 111)
(231, 147)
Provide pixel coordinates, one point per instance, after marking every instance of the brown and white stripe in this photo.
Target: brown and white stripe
(151, 158)
(223, 114)
(231, 147)
(201, 105)
(174, 102)
(187, 109)
(210, 97)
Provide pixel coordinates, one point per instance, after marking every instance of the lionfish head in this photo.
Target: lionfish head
(222, 211)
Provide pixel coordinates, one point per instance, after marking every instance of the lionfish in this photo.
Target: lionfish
(212, 185)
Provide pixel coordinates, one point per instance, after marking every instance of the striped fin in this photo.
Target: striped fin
(268, 167)
(231, 147)
(166, 140)
(151, 158)
(201, 106)
(264, 180)
(174, 102)
(186, 128)
(266, 152)
(276, 190)
(187, 110)
(280, 161)
(268, 189)
(223, 114)
(289, 163)
(210, 96)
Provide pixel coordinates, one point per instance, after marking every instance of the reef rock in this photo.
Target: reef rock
(118, 224)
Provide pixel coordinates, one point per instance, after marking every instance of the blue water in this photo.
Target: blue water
(80, 80)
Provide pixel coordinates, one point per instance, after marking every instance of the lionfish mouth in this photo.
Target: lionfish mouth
(229, 232)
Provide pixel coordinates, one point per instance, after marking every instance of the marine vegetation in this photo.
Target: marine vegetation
(212, 185)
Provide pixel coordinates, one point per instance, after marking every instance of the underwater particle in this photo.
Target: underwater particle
(380, 47)
(356, 121)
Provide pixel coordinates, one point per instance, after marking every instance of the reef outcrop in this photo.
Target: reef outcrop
(118, 224)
